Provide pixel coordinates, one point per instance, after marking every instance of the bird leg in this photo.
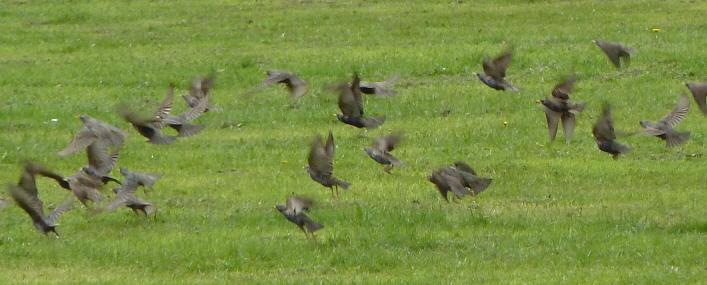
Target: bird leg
(388, 168)
(333, 197)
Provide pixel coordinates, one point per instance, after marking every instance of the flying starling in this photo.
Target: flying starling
(446, 179)
(94, 132)
(181, 122)
(294, 83)
(558, 107)
(380, 151)
(200, 89)
(380, 89)
(605, 136)
(125, 195)
(495, 72)
(86, 182)
(147, 126)
(351, 106)
(470, 179)
(699, 92)
(664, 128)
(616, 52)
(321, 165)
(25, 195)
(294, 212)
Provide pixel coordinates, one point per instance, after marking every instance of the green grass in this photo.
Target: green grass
(554, 213)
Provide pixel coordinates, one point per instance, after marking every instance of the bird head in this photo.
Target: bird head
(84, 119)
(280, 208)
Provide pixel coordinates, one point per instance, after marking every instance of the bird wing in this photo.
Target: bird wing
(296, 85)
(679, 113)
(386, 143)
(80, 141)
(464, 167)
(347, 102)
(166, 105)
(568, 122)
(356, 91)
(455, 183)
(329, 147)
(611, 50)
(564, 88)
(501, 63)
(553, 119)
(54, 215)
(310, 224)
(99, 159)
(27, 202)
(699, 93)
(604, 127)
(296, 205)
(318, 159)
(197, 110)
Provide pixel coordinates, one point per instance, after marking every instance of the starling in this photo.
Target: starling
(181, 122)
(615, 52)
(26, 196)
(94, 132)
(147, 126)
(380, 151)
(699, 92)
(664, 128)
(200, 89)
(495, 72)
(294, 83)
(126, 193)
(351, 106)
(446, 179)
(605, 136)
(470, 179)
(86, 182)
(380, 89)
(321, 165)
(294, 212)
(558, 107)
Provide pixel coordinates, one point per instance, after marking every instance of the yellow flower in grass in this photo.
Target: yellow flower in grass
(655, 30)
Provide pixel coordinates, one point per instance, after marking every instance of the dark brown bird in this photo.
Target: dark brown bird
(470, 179)
(86, 182)
(94, 132)
(182, 123)
(380, 151)
(26, 196)
(125, 195)
(294, 212)
(664, 128)
(605, 136)
(351, 106)
(380, 89)
(616, 52)
(446, 179)
(147, 126)
(294, 83)
(495, 72)
(558, 107)
(321, 165)
(699, 92)
(200, 89)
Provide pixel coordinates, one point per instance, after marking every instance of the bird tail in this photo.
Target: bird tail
(189, 130)
(577, 108)
(674, 139)
(312, 226)
(342, 183)
(162, 139)
(372, 123)
(480, 184)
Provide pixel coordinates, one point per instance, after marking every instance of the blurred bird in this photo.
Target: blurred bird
(86, 182)
(616, 52)
(446, 179)
(664, 128)
(559, 107)
(200, 89)
(469, 178)
(125, 195)
(380, 151)
(351, 106)
(605, 136)
(181, 122)
(495, 72)
(294, 83)
(321, 165)
(147, 126)
(26, 196)
(294, 212)
(380, 89)
(94, 132)
(699, 92)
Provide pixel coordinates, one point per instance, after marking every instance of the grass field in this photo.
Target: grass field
(554, 213)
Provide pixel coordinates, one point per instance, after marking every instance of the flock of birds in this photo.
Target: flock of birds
(103, 142)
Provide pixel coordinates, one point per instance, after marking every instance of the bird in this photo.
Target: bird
(200, 89)
(94, 132)
(699, 92)
(86, 181)
(605, 136)
(380, 151)
(470, 179)
(615, 52)
(380, 89)
(147, 126)
(25, 195)
(294, 83)
(125, 195)
(446, 179)
(181, 123)
(664, 127)
(558, 107)
(294, 212)
(351, 106)
(495, 72)
(321, 165)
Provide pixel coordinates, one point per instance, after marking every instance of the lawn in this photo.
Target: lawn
(554, 213)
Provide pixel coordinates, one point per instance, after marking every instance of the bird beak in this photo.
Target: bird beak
(476, 73)
(594, 41)
(538, 101)
(334, 115)
(77, 117)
